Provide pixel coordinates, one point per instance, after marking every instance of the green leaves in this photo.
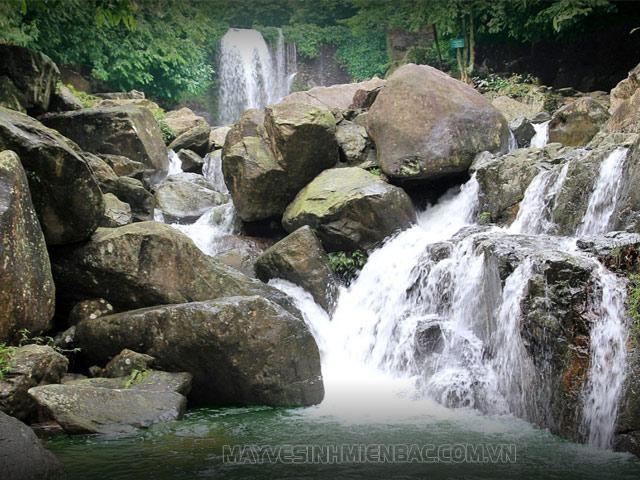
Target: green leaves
(347, 265)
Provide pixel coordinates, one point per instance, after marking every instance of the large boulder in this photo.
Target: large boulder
(523, 131)
(116, 212)
(350, 208)
(190, 161)
(33, 74)
(27, 292)
(64, 192)
(626, 118)
(63, 100)
(144, 264)
(355, 146)
(123, 166)
(513, 109)
(195, 139)
(427, 125)
(217, 137)
(240, 350)
(268, 158)
(128, 131)
(90, 409)
(183, 120)
(184, 197)
(339, 97)
(10, 96)
(300, 259)
(576, 124)
(22, 456)
(29, 366)
(625, 89)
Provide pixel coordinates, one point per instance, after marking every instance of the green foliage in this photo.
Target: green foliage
(86, 99)
(514, 86)
(347, 265)
(136, 377)
(484, 218)
(168, 135)
(6, 353)
(633, 299)
(26, 338)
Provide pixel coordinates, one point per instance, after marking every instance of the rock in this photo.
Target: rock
(145, 264)
(367, 93)
(503, 180)
(354, 144)
(626, 118)
(350, 209)
(146, 380)
(27, 292)
(512, 109)
(130, 102)
(123, 166)
(541, 117)
(10, 96)
(618, 251)
(191, 162)
(63, 100)
(22, 456)
(428, 339)
(300, 259)
(217, 137)
(339, 97)
(625, 89)
(128, 131)
(575, 124)
(240, 252)
(195, 139)
(268, 159)
(88, 409)
(116, 213)
(427, 125)
(29, 366)
(240, 350)
(185, 197)
(64, 192)
(33, 74)
(89, 309)
(126, 362)
(130, 95)
(523, 131)
(180, 121)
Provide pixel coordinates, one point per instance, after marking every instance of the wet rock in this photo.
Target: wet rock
(618, 251)
(523, 131)
(186, 196)
(27, 292)
(428, 339)
(128, 131)
(195, 139)
(240, 350)
(126, 362)
(32, 73)
(145, 264)
(22, 456)
(146, 380)
(427, 125)
(89, 409)
(300, 259)
(190, 161)
(241, 252)
(64, 192)
(116, 213)
(576, 124)
(217, 137)
(182, 120)
(349, 209)
(29, 366)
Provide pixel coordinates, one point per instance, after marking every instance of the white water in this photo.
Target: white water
(250, 75)
(371, 361)
(175, 164)
(541, 136)
(602, 202)
(212, 171)
(513, 143)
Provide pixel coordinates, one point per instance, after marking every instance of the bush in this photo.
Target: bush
(5, 359)
(347, 265)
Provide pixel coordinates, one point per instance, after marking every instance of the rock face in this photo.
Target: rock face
(10, 96)
(513, 109)
(126, 361)
(340, 97)
(300, 259)
(186, 196)
(63, 100)
(27, 292)
(626, 118)
(144, 264)
(190, 161)
(268, 159)
(123, 166)
(575, 124)
(217, 137)
(353, 141)
(183, 120)
(523, 131)
(64, 192)
(240, 350)
(33, 74)
(350, 208)
(116, 213)
(88, 409)
(22, 456)
(128, 131)
(427, 126)
(30, 366)
(625, 89)
(195, 139)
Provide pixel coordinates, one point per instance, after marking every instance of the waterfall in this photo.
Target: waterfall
(212, 171)
(541, 136)
(513, 143)
(539, 200)
(607, 369)
(175, 164)
(602, 202)
(251, 75)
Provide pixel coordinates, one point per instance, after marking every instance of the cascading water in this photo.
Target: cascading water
(541, 137)
(602, 202)
(175, 164)
(212, 171)
(251, 76)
